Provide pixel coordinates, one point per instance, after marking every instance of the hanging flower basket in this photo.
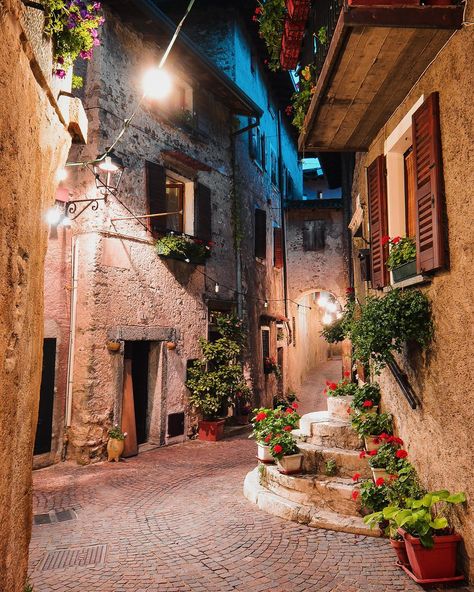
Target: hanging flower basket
(182, 248)
(294, 31)
(298, 10)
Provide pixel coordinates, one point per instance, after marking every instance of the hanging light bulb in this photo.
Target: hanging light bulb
(108, 165)
(216, 288)
(156, 83)
(265, 304)
(53, 216)
(187, 260)
(66, 222)
(327, 319)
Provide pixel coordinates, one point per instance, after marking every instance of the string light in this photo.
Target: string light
(265, 304)
(216, 288)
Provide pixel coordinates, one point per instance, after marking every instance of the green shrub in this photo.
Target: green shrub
(372, 424)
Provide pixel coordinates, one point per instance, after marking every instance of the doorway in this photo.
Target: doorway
(44, 428)
(138, 353)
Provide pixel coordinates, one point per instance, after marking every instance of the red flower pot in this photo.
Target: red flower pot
(437, 563)
(400, 549)
(298, 10)
(294, 31)
(384, 3)
(211, 431)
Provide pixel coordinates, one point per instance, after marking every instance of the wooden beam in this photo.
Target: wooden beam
(416, 17)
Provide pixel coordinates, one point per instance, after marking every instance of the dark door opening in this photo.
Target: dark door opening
(44, 428)
(138, 352)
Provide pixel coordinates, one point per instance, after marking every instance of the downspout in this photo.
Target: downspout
(282, 218)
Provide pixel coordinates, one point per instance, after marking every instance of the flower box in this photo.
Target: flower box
(298, 10)
(289, 60)
(211, 431)
(263, 454)
(405, 271)
(337, 406)
(291, 464)
(294, 31)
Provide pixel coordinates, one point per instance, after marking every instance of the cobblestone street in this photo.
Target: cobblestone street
(174, 519)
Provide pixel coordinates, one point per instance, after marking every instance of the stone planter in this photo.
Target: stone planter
(263, 454)
(115, 449)
(338, 406)
(211, 431)
(289, 465)
(370, 444)
(405, 271)
(400, 549)
(380, 473)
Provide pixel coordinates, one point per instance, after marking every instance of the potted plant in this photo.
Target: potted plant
(283, 447)
(183, 248)
(402, 257)
(271, 367)
(372, 428)
(270, 16)
(387, 461)
(340, 396)
(366, 398)
(217, 378)
(431, 544)
(373, 498)
(115, 444)
(267, 422)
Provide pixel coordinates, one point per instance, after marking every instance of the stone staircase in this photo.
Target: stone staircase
(312, 497)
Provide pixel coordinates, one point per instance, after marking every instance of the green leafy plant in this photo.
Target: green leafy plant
(366, 397)
(73, 26)
(340, 328)
(28, 587)
(388, 457)
(322, 35)
(302, 97)
(182, 248)
(343, 388)
(373, 498)
(285, 400)
(368, 424)
(386, 323)
(116, 433)
(270, 16)
(330, 467)
(422, 518)
(283, 444)
(267, 422)
(271, 367)
(402, 250)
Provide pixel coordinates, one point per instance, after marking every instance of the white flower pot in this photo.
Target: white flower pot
(377, 473)
(263, 453)
(370, 444)
(290, 464)
(338, 406)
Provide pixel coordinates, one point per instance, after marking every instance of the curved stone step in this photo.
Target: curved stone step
(312, 516)
(327, 493)
(322, 429)
(347, 461)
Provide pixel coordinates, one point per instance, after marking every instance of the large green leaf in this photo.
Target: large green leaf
(427, 541)
(439, 523)
(456, 498)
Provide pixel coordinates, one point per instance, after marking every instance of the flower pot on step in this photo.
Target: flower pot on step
(405, 271)
(400, 550)
(373, 410)
(289, 465)
(380, 473)
(263, 454)
(211, 430)
(337, 407)
(115, 449)
(372, 443)
(437, 563)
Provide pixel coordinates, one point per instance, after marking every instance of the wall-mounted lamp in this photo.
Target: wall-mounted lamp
(108, 174)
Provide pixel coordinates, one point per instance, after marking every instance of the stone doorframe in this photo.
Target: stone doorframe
(157, 373)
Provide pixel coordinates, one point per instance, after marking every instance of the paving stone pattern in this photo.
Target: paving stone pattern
(174, 519)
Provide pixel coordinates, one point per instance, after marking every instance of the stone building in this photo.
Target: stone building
(200, 157)
(37, 124)
(409, 116)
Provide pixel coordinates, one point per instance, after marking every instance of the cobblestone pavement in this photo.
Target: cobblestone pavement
(174, 519)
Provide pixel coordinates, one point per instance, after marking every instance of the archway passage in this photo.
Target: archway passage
(313, 361)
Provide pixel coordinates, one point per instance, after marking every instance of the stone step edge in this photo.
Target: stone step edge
(310, 447)
(308, 515)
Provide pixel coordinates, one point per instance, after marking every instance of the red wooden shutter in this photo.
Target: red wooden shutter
(156, 196)
(260, 234)
(377, 197)
(428, 185)
(277, 248)
(202, 212)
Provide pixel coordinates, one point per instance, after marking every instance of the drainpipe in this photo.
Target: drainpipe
(72, 330)
(282, 217)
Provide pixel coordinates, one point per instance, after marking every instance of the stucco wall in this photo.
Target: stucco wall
(33, 145)
(438, 433)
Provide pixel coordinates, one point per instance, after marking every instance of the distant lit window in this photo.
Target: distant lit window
(313, 165)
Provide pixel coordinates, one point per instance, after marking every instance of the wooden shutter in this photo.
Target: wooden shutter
(253, 141)
(428, 185)
(260, 234)
(156, 196)
(377, 198)
(202, 212)
(277, 248)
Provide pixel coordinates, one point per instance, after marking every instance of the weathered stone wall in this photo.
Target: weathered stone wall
(309, 272)
(33, 145)
(438, 433)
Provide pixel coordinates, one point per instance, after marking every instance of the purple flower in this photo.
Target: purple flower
(60, 73)
(96, 6)
(94, 33)
(83, 12)
(96, 42)
(86, 55)
(71, 24)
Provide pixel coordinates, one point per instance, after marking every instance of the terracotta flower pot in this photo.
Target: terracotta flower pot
(370, 444)
(115, 449)
(170, 345)
(400, 550)
(337, 407)
(211, 431)
(288, 465)
(437, 563)
(263, 454)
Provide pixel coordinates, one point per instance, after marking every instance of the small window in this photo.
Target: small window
(257, 145)
(260, 234)
(174, 205)
(410, 195)
(265, 344)
(274, 167)
(277, 248)
(314, 235)
(175, 424)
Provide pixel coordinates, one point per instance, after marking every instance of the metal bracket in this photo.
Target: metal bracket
(403, 383)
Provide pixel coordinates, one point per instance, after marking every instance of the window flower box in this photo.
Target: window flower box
(298, 10)
(183, 248)
(405, 271)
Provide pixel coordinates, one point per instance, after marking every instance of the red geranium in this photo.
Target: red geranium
(372, 452)
(385, 240)
(260, 416)
(355, 494)
(362, 454)
(277, 449)
(268, 438)
(287, 428)
(396, 240)
(294, 405)
(258, 10)
(367, 404)
(348, 410)
(347, 373)
(377, 440)
(332, 386)
(393, 477)
(380, 481)
(288, 410)
(356, 477)
(401, 454)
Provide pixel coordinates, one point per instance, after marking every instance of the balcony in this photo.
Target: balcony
(374, 52)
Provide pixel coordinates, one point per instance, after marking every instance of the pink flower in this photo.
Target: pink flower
(60, 73)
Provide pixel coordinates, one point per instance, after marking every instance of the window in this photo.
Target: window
(265, 344)
(274, 167)
(405, 191)
(314, 235)
(260, 234)
(277, 248)
(257, 149)
(174, 205)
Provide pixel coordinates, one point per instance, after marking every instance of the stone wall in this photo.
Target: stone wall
(33, 146)
(438, 433)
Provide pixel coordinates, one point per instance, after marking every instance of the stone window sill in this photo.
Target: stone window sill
(413, 281)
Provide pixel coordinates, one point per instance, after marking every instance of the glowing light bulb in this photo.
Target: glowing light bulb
(216, 288)
(327, 319)
(323, 300)
(53, 216)
(331, 307)
(108, 165)
(66, 222)
(62, 174)
(156, 83)
(265, 304)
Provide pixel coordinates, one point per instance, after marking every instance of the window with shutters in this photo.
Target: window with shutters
(260, 234)
(277, 248)
(274, 167)
(257, 148)
(314, 235)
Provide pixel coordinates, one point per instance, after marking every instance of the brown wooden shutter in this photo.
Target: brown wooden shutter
(156, 196)
(277, 248)
(260, 234)
(202, 212)
(428, 185)
(377, 198)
